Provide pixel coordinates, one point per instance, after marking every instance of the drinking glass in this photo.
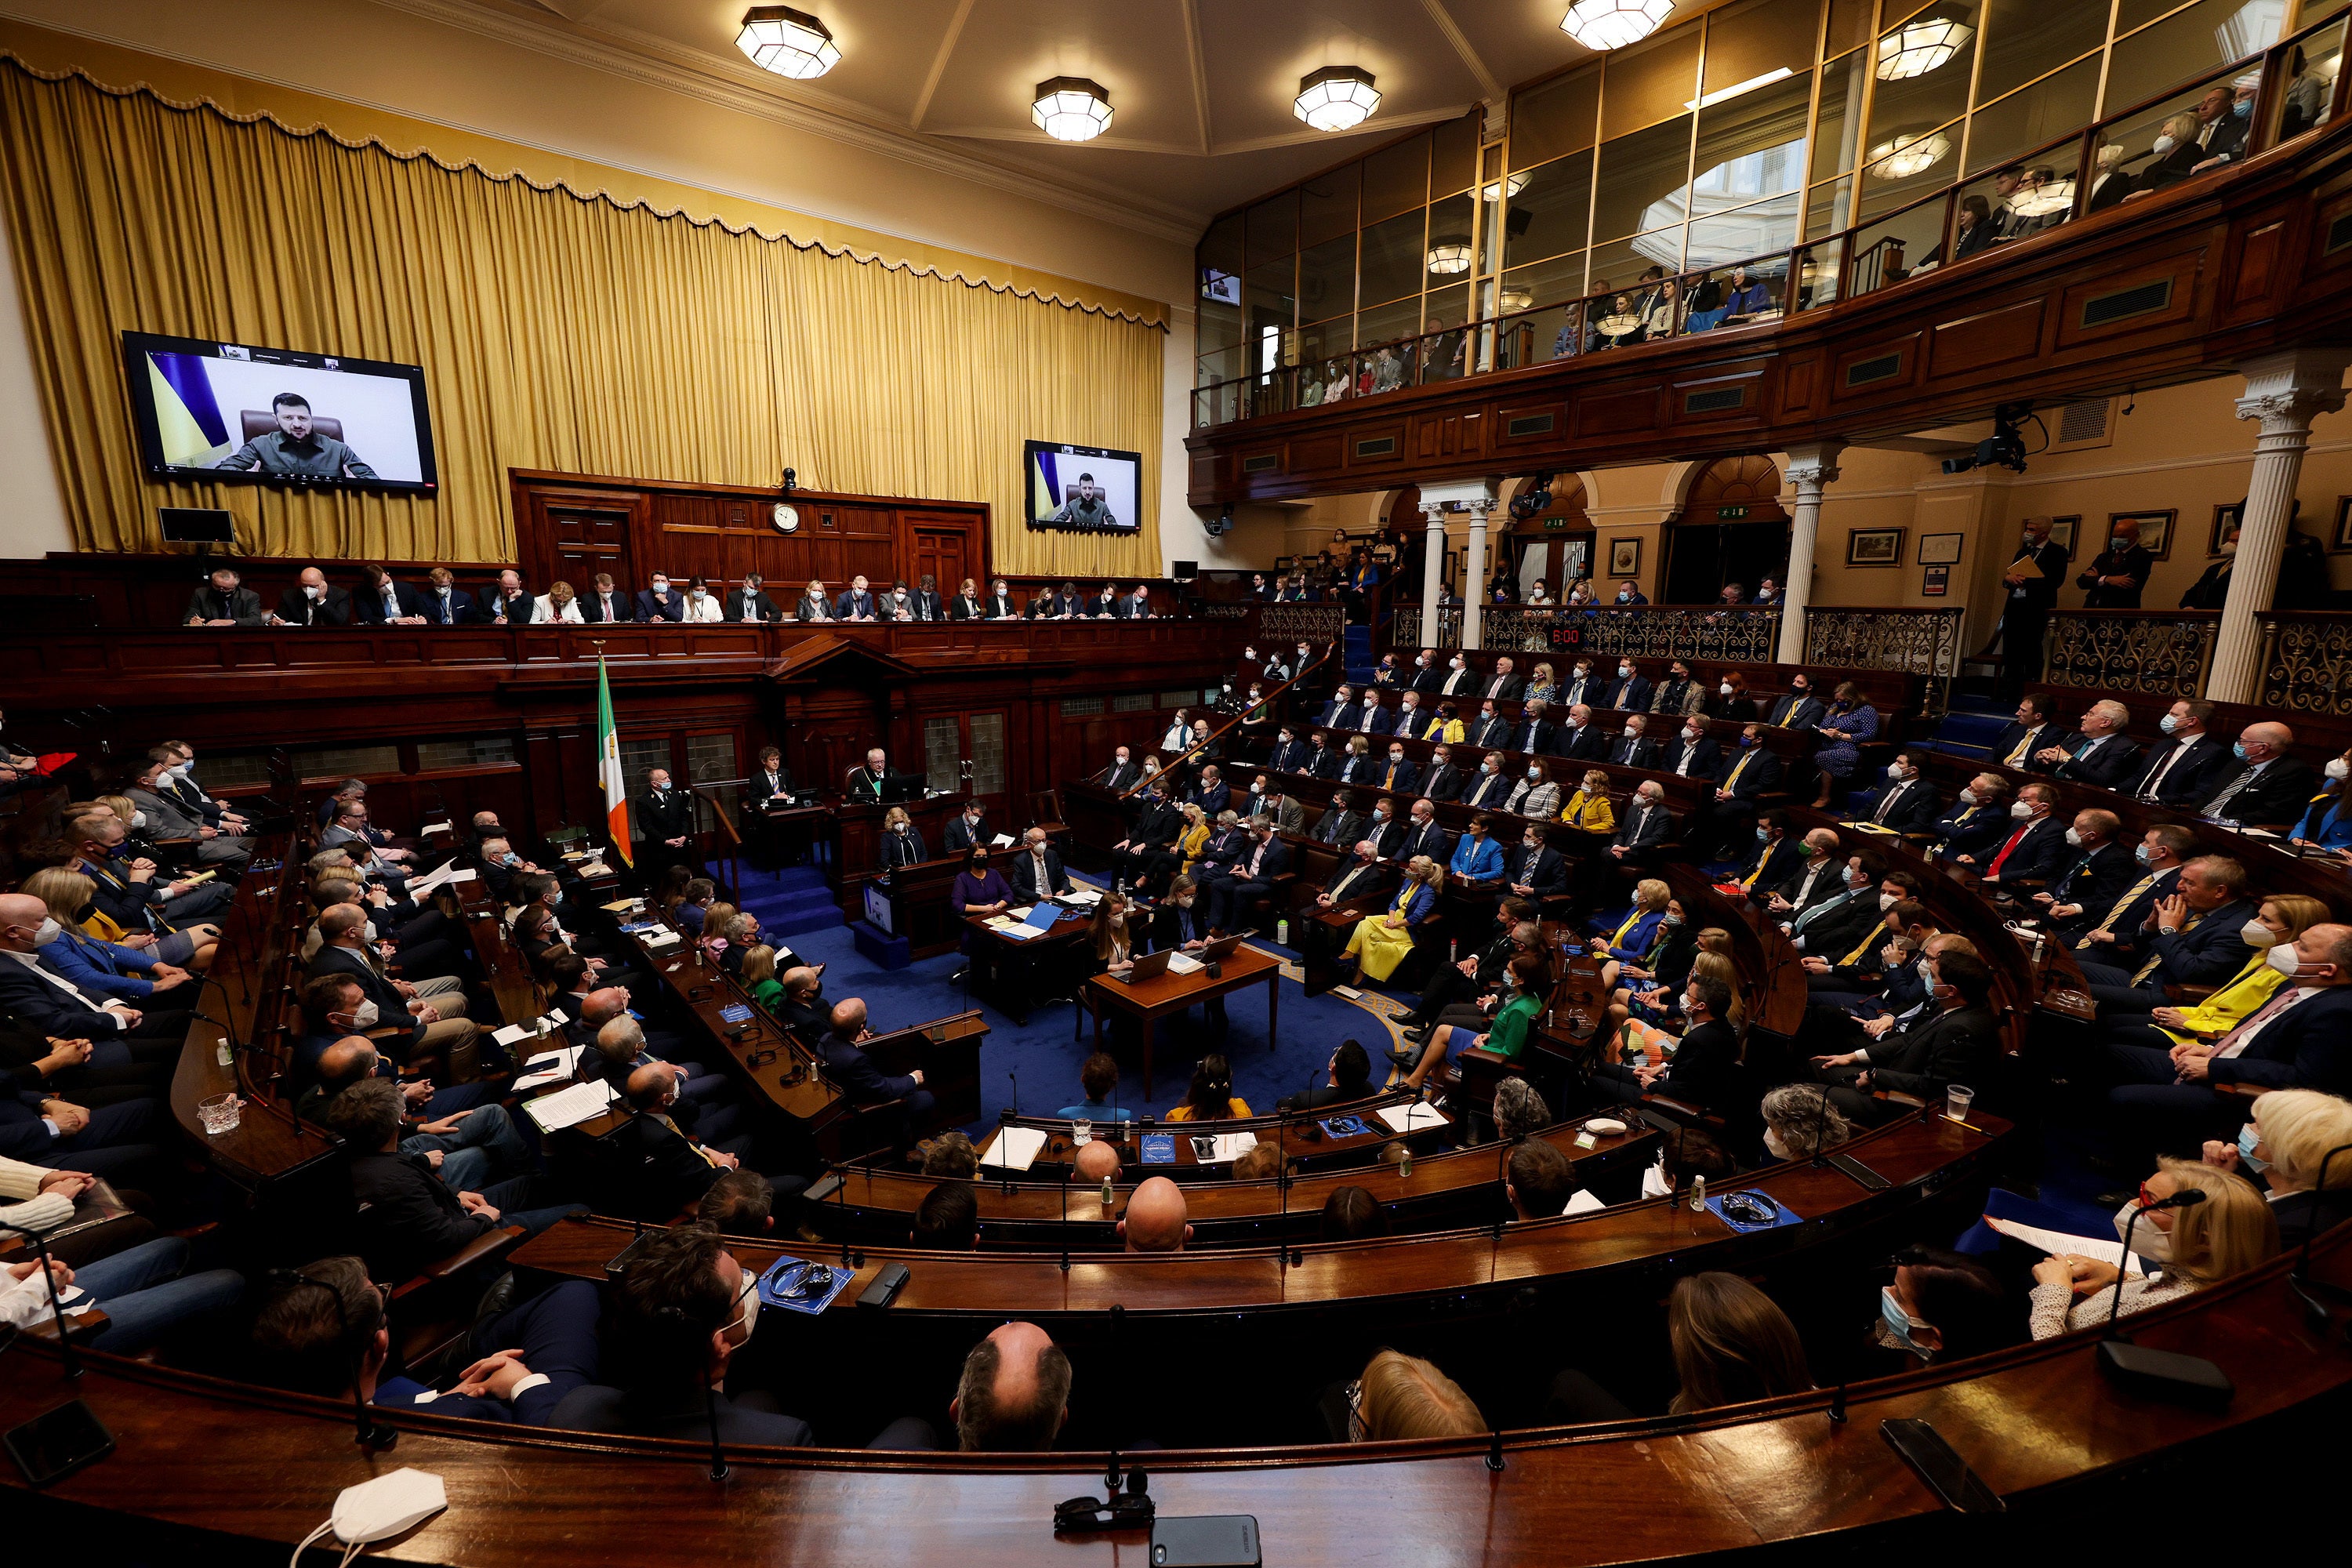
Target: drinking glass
(1956, 1101)
(1082, 1133)
(220, 1114)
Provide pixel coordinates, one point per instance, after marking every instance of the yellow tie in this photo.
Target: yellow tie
(2149, 967)
(2122, 904)
(1744, 758)
(2016, 759)
(1623, 928)
(1390, 782)
(1855, 956)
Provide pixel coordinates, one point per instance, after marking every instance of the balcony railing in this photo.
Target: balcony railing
(1736, 634)
(2154, 653)
(2308, 662)
(1923, 642)
(1939, 229)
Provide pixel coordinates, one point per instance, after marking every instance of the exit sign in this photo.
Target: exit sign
(1730, 513)
(1555, 524)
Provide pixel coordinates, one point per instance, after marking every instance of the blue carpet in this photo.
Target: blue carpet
(1045, 1056)
(791, 902)
(1362, 660)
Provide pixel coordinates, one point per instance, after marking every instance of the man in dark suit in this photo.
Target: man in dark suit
(1342, 824)
(1122, 775)
(666, 822)
(770, 780)
(1536, 734)
(44, 1001)
(1342, 712)
(876, 781)
(2036, 840)
(1249, 879)
(1815, 878)
(1740, 779)
(1422, 835)
(1503, 684)
(222, 603)
(2170, 1101)
(855, 1074)
(1703, 1069)
(1583, 685)
(1977, 821)
(1490, 788)
(1634, 749)
(1581, 738)
(1532, 869)
(2115, 934)
(1291, 754)
(1322, 757)
(1210, 792)
(1143, 853)
(381, 601)
(966, 829)
(660, 602)
(2193, 939)
(1399, 773)
(749, 602)
(2030, 732)
(1770, 858)
(606, 604)
(2117, 573)
(429, 1026)
(1460, 680)
(2097, 753)
(1799, 709)
(444, 603)
(1351, 1080)
(2188, 765)
(1034, 869)
(2092, 873)
(1906, 804)
(1647, 822)
(1446, 780)
(856, 602)
(408, 1217)
(1428, 675)
(1957, 1042)
(1630, 692)
(1137, 606)
(2033, 580)
(924, 603)
(313, 601)
(662, 1168)
(510, 603)
(2269, 787)
(1690, 753)
(1357, 765)
(1831, 926)
(1490, 731)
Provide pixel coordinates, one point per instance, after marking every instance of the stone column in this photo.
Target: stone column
(1473, 573)
(1811, 469)
(2285, 391)
(1432, 572)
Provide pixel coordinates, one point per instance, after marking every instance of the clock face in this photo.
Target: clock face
(787, 517)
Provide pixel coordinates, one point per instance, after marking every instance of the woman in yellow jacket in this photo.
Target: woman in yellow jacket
(2282, 917)
(1588, 808)
(1446, 727)
(1195, 837)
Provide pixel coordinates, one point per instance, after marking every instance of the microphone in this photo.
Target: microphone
(2163, 1374)
(1015, 1076)
(2187, 1197)
(2300, 1279)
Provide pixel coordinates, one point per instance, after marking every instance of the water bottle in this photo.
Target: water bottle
(1698, 1195)
(1404, 1166)
(1108, 1199)
(1282, 932)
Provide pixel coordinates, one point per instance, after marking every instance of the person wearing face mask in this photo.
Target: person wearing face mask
(1678, 693)
(1491, 788)
(100, 969)
(217, 848)
(1830, 928)
(1535, 732)
(2188, 765)
(1629, 692)
(1647, 824)
(432, 1025)
(2210, 591)
(1634, 749)
(749, 601)
(1906, 802)
(2092, 874)
(1491, 729)
(1771, 858)
(1234, 890)
(2031, 581)
(1147, 853)
(2282, 917)
(1533, 793)
(901, 845)
(2116, 934)
(1943, 1306)
(1460, 680)
(464, 1135)
(1799, 1121)
(1730, 699)
(856, 603)
(1978, 822)
(1583, 686)
(2035, 842)
(1798, 708)
(1690, 755)
(2195, 937)
(1630, 592)
(1533, 868)
(35, 993)
(2228, 1232)
(815, 603)
(1291, 754)
(665, 824)
(1357, 768)
(1957, 1041)
(1847, 951)
(2300, 1038)
(1814, 879)
(1702, 1069)
(2325, 823)
(899, 605)
(2269, 786)
(1398, 773)
(1580, 739)
(2284, 1147)
(968, 829)
(660, 602)
(311, 601)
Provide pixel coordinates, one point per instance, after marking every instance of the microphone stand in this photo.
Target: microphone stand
(710, 1408)
(66, 1351)
(1069, 1168)
(2300, 1280)
(1114, 1473)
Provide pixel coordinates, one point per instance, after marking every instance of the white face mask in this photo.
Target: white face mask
(2074, 838)
(1625, 673)
(2167, 723)
(371, 931)
(48, 932)
(1887, 900)
(1968, 797)
(2020, 809)
(2337, 769)
(314, 595)
(2283, 958)
(1725, 688)
(699, 594)
(1693, 734)
(1774, 1147)
(2149, 1239)
(2165, 144)
(2253, 933)
(364, 1017)
(661, 587)
(138, 819)
(1895, 770)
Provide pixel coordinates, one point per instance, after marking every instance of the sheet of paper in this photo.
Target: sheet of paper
(431, 828)
(1583, 1202)
(620, 906)
(664, 939)
(1411, 1118)
(570, 1107)
(1021, 916)
(1015, 1147)
(2055, 1242)
(1001, 841)
(1183, 964)
(1233, 1145)
(553, 1067)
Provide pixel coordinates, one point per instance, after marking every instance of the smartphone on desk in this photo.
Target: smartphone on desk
(56, 1444)
(1209, 1540)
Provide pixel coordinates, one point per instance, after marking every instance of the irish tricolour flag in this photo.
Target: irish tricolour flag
(608, 767)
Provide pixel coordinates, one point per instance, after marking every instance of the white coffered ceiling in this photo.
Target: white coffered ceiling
(1202, 88)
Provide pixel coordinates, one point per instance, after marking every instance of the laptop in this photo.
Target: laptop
(1151, 966)
(1222, 946)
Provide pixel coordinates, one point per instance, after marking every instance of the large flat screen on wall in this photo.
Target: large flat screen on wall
(238, 412)
(1084, 489)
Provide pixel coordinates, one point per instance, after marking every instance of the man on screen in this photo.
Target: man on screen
(1087, 510)
(297, 450)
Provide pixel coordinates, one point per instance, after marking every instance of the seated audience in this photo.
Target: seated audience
(1381, 942)
(1014, 1394)
(1943, 1306)
(948, 1218)
(2286, 1144)
(1099, 1076)
(1539, 1180)
(1211, 1097)
(146, 1293)
(1350, 1076)
(1351, 1213)
(2228, 1232)
(1156, 1219)
(1402, 1396)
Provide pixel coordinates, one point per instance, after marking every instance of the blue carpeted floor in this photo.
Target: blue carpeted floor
(1043, 1056)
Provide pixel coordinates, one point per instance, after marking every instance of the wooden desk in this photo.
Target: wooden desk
(858, 834)
(1150, 1001)
(1014, 968)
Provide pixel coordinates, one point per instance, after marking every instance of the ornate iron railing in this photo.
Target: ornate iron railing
(2308, 662)
(2154, 653)
(1924, 642)
(1404, 628)
(1303, 623)
(1739, 636)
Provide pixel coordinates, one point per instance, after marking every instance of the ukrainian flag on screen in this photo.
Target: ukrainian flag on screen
(188, 423)
(1045, 494)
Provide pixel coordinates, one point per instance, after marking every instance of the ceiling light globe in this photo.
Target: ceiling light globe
(1337, 98)
(1919, 47)
(788, 42)
(1071, 109)
(1614, 24)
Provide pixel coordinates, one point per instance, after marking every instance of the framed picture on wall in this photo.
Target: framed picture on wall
(2154, 529)
(1940, 549)
(1625, 558)
(2062, 530)
(2226, 520)
(1935, 582)
(2341, 540)
(1874, 546)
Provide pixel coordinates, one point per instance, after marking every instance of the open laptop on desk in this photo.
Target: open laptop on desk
(1151, 966)
(1193, 963)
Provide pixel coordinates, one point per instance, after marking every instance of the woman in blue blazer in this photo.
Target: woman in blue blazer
(2326, 824)
(106, 969)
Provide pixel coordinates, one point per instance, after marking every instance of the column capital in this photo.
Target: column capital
(2286, 391)
(1813, 464)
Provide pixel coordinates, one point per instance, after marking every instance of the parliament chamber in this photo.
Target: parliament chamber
(927, 777)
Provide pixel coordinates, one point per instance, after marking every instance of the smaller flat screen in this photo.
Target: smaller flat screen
(1083, 489)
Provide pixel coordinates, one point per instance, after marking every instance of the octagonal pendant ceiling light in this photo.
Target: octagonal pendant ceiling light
(1337, 98)
(1614, 24)
(1071, 109)
(1450, 254)
(1515, 297)
(2055, 197)
(1921, 45)
(1901, 156)
(1506, 188)
(788, 42)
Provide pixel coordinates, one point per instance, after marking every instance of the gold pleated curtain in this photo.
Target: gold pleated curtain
(556, 331)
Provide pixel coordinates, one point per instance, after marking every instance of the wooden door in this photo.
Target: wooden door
(584, 538)
(940, 553)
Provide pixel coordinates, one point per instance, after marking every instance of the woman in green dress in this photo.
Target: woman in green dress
(1526, 979)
